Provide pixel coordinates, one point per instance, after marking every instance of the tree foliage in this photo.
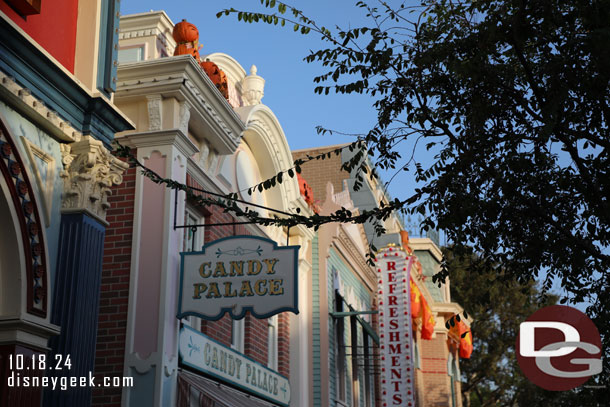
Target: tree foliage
(513, 95)
(497, 305)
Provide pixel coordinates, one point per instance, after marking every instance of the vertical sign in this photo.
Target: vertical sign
(397, 368)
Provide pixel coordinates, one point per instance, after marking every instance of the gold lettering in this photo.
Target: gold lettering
(206, 351)
(246, 289)
(252, 269)
(213, 291)
(223, 361)
(248, 372)
(260, 288)
(238, 366)
(237, 268)
(220, 270)
(199, 288)
(215, 358)
(202, 270)
(275, 286)
(228, 288)
(270, 264)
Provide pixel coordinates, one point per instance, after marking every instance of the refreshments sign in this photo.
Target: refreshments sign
(204, 354)
(238, 274)
(397, 368)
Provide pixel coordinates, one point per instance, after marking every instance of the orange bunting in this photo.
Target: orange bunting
(415, 300)
(466, 341)
(427, 320)
(459, 329)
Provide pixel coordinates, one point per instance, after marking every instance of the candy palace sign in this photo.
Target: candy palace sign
(238, 274)
(208, 356)
(397, 371)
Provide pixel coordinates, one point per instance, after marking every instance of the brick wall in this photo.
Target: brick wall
(255, 330)
(436, 382)
(283, 344)
(112, 321)
(114, 297)
(318, 173)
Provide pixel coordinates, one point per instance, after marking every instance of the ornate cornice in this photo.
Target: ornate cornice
(71, 104)
(90, 170)
(210, 115)
(364, 268)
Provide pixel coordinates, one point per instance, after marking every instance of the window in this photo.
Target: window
(193, 237)
(192, 241)
(237, 335)
(131, 54)
(368, 391)
(340, 348)
(272, 342)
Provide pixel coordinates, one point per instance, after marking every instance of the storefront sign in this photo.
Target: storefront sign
(238, 274)
(208, 356)
(397, 372)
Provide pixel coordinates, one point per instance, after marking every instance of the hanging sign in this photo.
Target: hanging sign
(208, 356)
(395, 332)
(238, 274)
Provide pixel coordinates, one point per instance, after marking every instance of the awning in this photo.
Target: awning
(199, 391)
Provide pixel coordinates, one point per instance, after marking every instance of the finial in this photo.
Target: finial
(253, 70)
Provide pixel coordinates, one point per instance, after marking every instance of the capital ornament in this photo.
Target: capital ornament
(90, 170)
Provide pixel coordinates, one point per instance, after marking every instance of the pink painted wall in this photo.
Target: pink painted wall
(150, 261)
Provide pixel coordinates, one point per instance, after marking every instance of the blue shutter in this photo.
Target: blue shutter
(109, 47)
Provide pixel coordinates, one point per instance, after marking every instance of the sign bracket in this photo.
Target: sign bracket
(194, 227)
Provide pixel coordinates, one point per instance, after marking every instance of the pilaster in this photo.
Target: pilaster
(89, 173)
(151, 349)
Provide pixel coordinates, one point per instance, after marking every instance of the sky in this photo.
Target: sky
(278, 54)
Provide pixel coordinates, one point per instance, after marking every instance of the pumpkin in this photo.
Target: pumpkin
(217, 76)
(186, 49)
(185, 32)
(187, 39)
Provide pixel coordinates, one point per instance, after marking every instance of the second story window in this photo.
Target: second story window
(237, 335)
(131, 54)
(192, 241)
(272, 343)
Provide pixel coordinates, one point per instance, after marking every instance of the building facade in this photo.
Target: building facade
(57, 121)
(189, 131)
(435, 349)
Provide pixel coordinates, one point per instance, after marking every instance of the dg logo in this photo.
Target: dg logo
(559, 348)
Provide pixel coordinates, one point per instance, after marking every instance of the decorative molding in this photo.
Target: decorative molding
(46, 186)
(55, 87)
(160, 138)
(253, 88)
(365, 269)
(89, 173)
(184, 116)
(24, 332)
(155, 112)
(32, 232)
(22, 100)
(213, 161)
(211, 116)
(203, 155)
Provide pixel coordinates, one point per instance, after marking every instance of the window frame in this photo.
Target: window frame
(238, 334)
(272, 342)
(199, 219)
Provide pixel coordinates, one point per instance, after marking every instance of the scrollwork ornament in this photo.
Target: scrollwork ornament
(89, 173)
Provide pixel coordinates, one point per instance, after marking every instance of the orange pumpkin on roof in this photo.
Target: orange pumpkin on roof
(217, 76)
(186, 36)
